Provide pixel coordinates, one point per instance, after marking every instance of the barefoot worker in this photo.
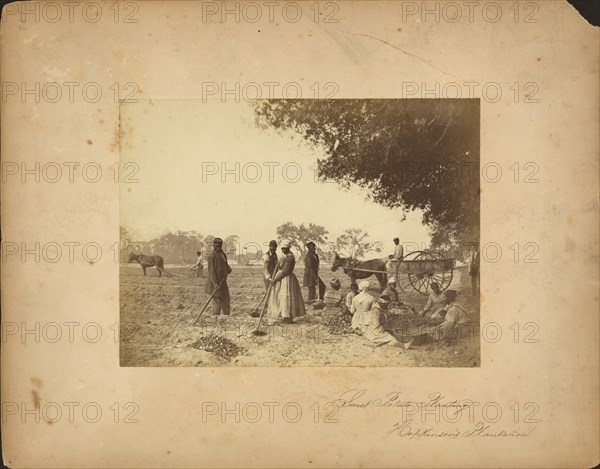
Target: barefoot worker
(218, 270)
(311, 273)
(285, 298)
(269, 261)
(361, 303)
(374, 325)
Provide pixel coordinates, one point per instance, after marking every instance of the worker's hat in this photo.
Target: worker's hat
(272, 243)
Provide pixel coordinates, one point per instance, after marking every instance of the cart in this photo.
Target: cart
(419, 269)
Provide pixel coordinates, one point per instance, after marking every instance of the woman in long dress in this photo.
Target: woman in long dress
(361, 303)
(285, 298)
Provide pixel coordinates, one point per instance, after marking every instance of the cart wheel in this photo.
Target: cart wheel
(404, 283)
(422, 282)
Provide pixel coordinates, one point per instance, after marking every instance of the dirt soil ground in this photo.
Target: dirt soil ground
(157, 315)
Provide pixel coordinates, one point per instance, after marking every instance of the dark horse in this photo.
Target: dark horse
(362, 269)
(149, 261)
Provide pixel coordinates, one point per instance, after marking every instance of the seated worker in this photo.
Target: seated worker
(435, 302)
(361, 303)
(455, 319)
(349, 297)
(396, 258)
(374, 322)
(392, 292)
(333, 297)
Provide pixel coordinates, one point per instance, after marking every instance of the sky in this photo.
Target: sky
(206, 167)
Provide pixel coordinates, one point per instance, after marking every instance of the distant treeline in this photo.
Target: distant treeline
(180, 247)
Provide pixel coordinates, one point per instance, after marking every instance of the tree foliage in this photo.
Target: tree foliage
(354, 242)
(409, 153)
(299, 235)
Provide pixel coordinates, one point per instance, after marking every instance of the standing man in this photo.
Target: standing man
(311, 273)
(218, 270)
(269, 261)
(198, 267)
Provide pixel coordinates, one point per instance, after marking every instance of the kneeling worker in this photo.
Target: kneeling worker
(373, 325)
(455, 320)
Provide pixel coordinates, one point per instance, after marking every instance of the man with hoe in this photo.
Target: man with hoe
(311, 273)
(269, 261)
(218, 270)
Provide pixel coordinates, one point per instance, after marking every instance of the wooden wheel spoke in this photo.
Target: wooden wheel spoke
(427, 267)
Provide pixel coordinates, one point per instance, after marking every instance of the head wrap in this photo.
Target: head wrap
(364, 285)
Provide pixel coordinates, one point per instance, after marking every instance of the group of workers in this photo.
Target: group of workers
(370, 315)
(283, 291)
(284, 301)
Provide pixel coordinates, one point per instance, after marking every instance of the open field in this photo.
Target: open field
(156, 316)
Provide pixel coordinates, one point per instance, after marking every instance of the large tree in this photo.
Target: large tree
(354, 242)
(299, 235)
(409, 153)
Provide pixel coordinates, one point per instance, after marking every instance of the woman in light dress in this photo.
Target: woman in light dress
(285, 296)
(361, 303)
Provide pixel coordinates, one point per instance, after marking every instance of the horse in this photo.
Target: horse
(356, 269)
(149, 261)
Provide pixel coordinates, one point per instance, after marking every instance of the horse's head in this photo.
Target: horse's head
(337, 262)
(133, 257)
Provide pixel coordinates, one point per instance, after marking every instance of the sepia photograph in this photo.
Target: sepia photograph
(300, 232)
(329, 234)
